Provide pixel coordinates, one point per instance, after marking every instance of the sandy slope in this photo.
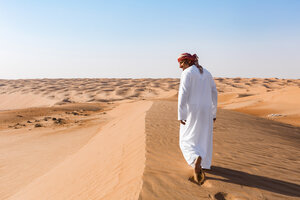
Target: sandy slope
(109, 166)
(280, 105)
(19, 101)
(253, 158)
(84, 150)
(26, 155)
(136, 156)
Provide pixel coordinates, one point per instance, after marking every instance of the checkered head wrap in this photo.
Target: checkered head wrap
(187, 56)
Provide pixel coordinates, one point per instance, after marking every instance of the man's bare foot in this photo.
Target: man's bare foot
(198, 165)
(199, 175)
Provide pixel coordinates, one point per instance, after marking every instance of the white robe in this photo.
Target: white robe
(197, 104)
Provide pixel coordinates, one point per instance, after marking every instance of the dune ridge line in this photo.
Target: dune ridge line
(109, 166)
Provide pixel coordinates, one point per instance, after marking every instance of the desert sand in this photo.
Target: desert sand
(118, 139)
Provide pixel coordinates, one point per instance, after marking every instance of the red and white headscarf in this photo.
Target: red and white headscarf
(187, 56)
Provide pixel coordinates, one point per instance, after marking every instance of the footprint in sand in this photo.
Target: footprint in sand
(226, 196)
(206, 184)
(220, 196)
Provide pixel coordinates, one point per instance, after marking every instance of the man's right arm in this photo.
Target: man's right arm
(184, 90)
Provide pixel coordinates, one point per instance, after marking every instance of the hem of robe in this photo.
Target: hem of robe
(193, 165)
(205, 162)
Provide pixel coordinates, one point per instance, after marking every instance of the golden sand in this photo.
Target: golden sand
(118, 139)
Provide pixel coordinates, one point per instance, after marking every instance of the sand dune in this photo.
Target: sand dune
(47, 92)
(241, 94)
(92, 139)
(253, 158)
(280, 105)
(18, 100)
(109, 166)
(28, 151)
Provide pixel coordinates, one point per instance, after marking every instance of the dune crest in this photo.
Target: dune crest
(109, 166)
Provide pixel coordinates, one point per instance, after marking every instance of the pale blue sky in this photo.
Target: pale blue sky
(135, 39)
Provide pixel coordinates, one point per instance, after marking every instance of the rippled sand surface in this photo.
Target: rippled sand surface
(118, 139)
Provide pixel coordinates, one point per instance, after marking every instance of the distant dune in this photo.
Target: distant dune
(272, 98)
(47, 92)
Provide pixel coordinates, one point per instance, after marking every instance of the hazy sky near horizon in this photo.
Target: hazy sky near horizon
(137, 39)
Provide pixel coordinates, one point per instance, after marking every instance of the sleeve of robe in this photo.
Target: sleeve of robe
(183, 95)
(214, 95)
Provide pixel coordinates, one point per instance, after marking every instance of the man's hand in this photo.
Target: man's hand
(183, 122)
(215, 119)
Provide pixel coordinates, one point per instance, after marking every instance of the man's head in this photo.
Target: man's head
(186, 60)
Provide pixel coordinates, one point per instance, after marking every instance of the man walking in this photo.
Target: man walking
(197, 107)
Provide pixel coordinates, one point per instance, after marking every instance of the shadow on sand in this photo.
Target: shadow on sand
(260, 182)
